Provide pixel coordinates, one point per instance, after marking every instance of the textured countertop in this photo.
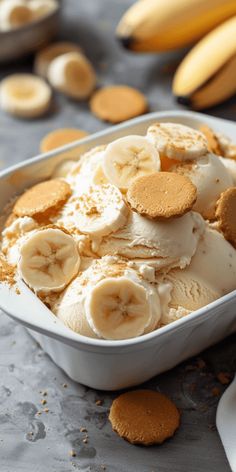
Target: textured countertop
(34, 442)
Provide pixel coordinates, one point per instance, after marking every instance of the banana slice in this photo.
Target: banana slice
(14, 14)
(118, 308)
(99, 211)
(73, 75)
(49, 259)
(24, 95)
(128, 158)
(177, 141)
(46, 55)
(40, 8)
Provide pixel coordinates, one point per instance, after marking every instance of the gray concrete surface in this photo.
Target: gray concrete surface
(32, 442)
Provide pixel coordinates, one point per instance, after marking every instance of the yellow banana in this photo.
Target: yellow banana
(207, 75)
(161, 25)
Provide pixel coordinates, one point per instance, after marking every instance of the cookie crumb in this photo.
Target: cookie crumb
(43, 402)
(46, 410)
(224, 378)
(212, 427)
(99, 402)
(203, 408)
(200, 363)
(73, 453)
(83, 430)
(64, 385)
(7, 271)
(215, 391)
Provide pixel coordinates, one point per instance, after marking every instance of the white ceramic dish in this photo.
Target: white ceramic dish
(111, 365)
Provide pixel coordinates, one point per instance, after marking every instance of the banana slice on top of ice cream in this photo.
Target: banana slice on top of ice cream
(97, 211)
(111, 301)
(49, 259)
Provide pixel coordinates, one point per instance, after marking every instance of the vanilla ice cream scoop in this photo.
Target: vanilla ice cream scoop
(210, 275)
(88, 169)
(211, 179)
(171, 243)
(14, 234)
(111, 301)
(69, 308)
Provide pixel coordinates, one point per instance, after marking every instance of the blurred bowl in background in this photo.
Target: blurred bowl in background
(19, 42)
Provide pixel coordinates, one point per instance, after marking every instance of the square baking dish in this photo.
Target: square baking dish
(101, 364)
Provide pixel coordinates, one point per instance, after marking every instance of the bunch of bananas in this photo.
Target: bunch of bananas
(207, 75)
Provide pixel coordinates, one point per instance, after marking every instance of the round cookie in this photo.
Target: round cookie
(162, 195)
(42, 198)
(61, 137)
(226, 214)
(144, 417)
(118, 103)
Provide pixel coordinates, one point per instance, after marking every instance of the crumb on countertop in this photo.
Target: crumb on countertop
(72, 453)
(224, 378)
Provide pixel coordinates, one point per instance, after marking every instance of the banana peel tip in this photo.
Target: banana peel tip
(125, 41)
(182, 100)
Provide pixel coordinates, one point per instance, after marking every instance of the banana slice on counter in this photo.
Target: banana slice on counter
(73, 75)
(177, 141)
(118, 308)
(14, 14)
(100, 211)
(46, 55)
(24, 95)
(49, 259)
(40, 8)
(128, 158)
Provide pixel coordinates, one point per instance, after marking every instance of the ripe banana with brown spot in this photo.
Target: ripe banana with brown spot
(207, 75)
